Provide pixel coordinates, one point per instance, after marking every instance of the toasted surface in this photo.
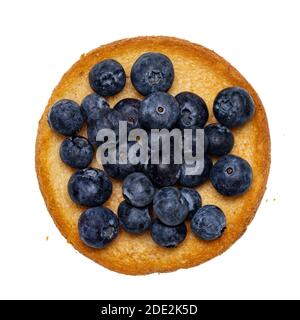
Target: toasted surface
(198, 70)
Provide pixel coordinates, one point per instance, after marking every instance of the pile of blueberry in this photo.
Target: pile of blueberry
(152, 201)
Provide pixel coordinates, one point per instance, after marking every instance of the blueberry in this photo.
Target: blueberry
(220, 139)
(170, 206)
(138, 190)
(166, 236)
(159, 110)
(107, 120)
(163, 175)
(134, 220)
(93, 106)
(76, 152)
(65, 117)
(233, 107)
(107, 78)
(89, 187)
(193, 111)
(114, 117)
(208, 223)
(129, 110)
(94, 127)
(231, 175)
(152, 72)
(119, 170)
(193, 199)
(195, 180)
(98, 227)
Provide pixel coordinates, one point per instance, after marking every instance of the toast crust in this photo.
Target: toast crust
(198, 70)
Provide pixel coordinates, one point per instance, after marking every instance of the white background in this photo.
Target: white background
(39, 40)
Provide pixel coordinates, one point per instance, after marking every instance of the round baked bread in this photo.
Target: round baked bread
(198, 70)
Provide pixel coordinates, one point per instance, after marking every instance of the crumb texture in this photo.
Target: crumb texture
(198, 70)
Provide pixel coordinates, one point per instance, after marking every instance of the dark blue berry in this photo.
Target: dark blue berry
(107, 78)
(138, 190)
(93, 106)
(233, 107)
(93, 129)
(231, 175)
(193, 111)
(166, 236)
(98, 227)
(159, 110)
(208, 223)
(121, 170)
(89, 187)
(134, 220)
(114, 117)
(152, 72)
(163, 175)
(107, 120)
(129, 110)
(220, 139)
(197, 179)
(170, 206)
(65, 117)
(193, 199)
(76, 152)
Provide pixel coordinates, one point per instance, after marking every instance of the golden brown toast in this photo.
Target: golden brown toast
(198, 70)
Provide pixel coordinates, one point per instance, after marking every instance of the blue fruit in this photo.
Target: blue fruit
(76, 152)
(193, 111)
(159, 110)
(107, 78)
(118, 170)
(193, 199)
(65, 117)
(166, 236)
(195, 180)
(231, 175)
(170, 206)
(114, 117)
(138, 190)
(233, 107)
(98, 227)
(134, 220)
(93, 106)
(93, 129)
(208, 223)
(89, 187)
(129, 110)
(220, 139)
(152, 72)
(107, 120)
(163, 175)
